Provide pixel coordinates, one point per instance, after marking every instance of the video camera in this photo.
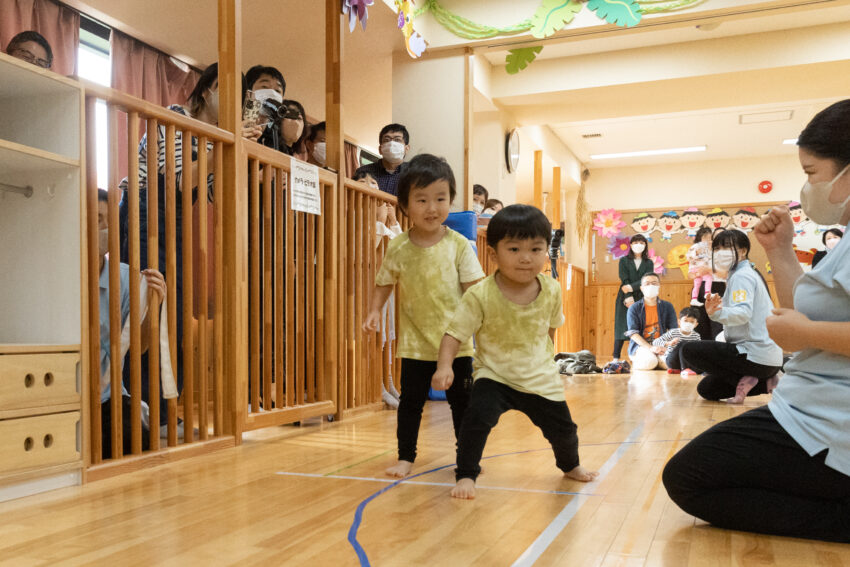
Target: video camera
(555, 250)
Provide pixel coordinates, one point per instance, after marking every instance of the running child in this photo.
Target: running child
(433, 265)
(513, 315)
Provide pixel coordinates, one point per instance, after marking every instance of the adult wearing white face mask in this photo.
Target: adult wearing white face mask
(784, 469)
(632, 268)
(394, 141)
(747, 363)
(649, 319)
(830, 240)
(317, 147)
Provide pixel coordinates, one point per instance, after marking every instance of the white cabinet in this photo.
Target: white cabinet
(42, 278)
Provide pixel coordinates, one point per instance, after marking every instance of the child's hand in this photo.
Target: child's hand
(372, 322)
(442, 378)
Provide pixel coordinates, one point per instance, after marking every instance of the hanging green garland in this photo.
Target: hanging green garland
(551, 16)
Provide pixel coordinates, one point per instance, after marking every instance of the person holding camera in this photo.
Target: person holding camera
(266, 86)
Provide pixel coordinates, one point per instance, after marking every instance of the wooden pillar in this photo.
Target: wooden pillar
(335, 135)
(467, 129)
(556, 197)
(538, 179)
(234, 201)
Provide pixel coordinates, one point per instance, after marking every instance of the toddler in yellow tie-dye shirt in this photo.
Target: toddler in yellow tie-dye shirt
(432, 265)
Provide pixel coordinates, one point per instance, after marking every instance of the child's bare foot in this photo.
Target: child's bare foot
(400, 470)
(464, 489)
(581, 474)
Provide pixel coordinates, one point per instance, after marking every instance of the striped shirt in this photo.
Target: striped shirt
(673, 334)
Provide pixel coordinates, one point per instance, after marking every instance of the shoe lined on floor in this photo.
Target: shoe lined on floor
(673, 371)
(688, 372)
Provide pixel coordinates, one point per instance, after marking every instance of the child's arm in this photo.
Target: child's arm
(444, 376)
(379, 297)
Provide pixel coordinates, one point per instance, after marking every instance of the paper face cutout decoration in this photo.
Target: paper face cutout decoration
(692, 221)
(677, 257)
(799, 217)
(644, 223)
(669, 224)
(745, 219)
(717, 218)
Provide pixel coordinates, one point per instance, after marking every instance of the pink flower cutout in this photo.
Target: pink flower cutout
(608, 223)
(658, 262)
(618, 247)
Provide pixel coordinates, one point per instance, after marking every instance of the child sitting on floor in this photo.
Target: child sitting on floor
(513, 315)
(673, 340)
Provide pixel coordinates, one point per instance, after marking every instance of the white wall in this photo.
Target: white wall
(487, 158)
(685, 185)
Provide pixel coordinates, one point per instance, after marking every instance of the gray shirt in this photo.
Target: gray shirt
(746, 306)
(812, 402)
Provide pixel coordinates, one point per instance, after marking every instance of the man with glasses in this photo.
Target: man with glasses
(394, 142)
(30, 46)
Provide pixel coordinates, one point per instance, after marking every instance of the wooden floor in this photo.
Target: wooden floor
(290, 496)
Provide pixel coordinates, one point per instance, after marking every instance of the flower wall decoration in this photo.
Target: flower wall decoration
(608, 223)
(356, 10)
(618, 247)
(658, 262)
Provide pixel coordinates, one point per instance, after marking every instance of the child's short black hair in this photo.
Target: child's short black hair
(520, 222)
(422, 171)
(689, 311)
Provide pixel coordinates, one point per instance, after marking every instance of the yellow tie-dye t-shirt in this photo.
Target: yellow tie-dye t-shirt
(429, 290)
(512, 341)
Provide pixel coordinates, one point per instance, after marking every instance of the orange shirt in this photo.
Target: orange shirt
(651, 330)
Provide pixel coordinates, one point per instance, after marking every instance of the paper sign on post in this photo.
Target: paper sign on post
(305, 188)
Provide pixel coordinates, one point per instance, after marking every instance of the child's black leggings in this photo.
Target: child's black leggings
(415, 382)
(489, 400)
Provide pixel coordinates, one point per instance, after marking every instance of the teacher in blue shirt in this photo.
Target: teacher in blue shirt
(784, 468)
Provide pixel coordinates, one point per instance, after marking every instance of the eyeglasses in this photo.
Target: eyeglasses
(30, 57)
(399, 139)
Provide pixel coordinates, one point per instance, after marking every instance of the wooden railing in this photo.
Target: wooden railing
(196, 287)
(292, 308)
(569, 337)
(487, 264)
(369, 357)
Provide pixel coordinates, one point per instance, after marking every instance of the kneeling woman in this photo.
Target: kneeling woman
(747, 363)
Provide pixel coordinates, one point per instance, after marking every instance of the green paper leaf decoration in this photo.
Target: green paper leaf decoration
(518, 59)
(626, 13)
(552, 16)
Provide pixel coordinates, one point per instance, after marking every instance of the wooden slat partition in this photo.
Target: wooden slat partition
(288, 258)
(487, 264)
(570, 336)
(161, 127)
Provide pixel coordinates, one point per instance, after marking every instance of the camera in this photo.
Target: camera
(555, 250)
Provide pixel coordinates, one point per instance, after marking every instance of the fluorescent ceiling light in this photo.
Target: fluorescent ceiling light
(688, 150)
(790, 142)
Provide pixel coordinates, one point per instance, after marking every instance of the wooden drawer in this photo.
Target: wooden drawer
(34, 380)
(45, 440)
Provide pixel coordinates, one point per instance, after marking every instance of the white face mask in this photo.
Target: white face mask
(815, 201)
(103, 241)
(687, 327)
(638, 249)
(650, 291)
(320, 152)
(723, 259)
(478, 208)
(832, 242)
(263, 95)
(392, 152)
(291, 130)
(490, 212)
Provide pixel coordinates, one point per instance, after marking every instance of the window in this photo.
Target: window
(93, 63)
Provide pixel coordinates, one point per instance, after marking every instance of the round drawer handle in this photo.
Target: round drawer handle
(48, 440)
(48, 379)
(29, 380)
(28, 444)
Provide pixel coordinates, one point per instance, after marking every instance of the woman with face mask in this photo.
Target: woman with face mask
(830, 240)
(292, 130)
(784, 468)
(632, 268)
(746, 364)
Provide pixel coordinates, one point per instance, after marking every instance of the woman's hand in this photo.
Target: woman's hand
(627, 288)
(713, 304)
(775, 230)
(787, 329)
(251, 131)
(628, 302)
(156, 286)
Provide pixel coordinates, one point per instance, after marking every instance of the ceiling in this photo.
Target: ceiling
(684, 111)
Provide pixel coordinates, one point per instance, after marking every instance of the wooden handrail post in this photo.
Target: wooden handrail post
(556, 197)
(538, 179)
(336, 160)
(234, 201)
